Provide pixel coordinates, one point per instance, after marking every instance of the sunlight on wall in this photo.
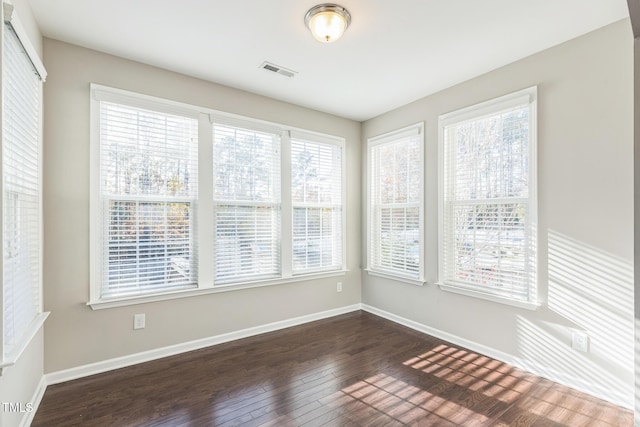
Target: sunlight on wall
(548, 345)
(594, 291)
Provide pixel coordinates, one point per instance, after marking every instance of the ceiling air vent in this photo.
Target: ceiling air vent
(278, 69)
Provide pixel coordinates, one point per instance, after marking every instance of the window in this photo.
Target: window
(186, 200)
(22, 76)
(316, 194)
(246, 165)
(148, 187)
(396, 236)
(488, 199)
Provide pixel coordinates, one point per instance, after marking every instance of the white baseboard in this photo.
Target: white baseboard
(27, 419)
(146, 356)
(535, 368)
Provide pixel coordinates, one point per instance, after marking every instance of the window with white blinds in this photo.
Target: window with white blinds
(185, 199)
(21, 193)
(246, 171)
(316, 195)
(148, 166)
(488, 199)
(396, 194)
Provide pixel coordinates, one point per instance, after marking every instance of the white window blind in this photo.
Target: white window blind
(148, 185)
(316, 193)
(21, 157)
(487, 242)
(396, 203)
(152, 159)
(246, 170)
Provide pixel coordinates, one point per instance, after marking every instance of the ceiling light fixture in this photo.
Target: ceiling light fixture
(327, 21)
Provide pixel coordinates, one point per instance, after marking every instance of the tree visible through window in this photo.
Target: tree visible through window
(247, 203)
(396, 203)
(488, 236)
(184, 198)
(316, 193)
(148, 170)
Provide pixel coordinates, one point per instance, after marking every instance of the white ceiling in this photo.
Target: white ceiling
(394, 52)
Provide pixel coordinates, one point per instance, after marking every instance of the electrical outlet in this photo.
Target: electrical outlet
(580, 341)
(339, 287)
(138, 321)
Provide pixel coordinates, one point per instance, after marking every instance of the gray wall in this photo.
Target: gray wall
(76, 335)
(585, 179)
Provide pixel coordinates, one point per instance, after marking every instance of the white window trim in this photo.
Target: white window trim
(396, 277)
(474, 112)
(102, 93)
(489, 297)
(411, 130)
(21, 346)
(205, 203)
(11, 17)
(187, 293)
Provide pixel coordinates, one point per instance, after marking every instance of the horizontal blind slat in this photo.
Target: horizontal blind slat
(395, 198)
(316, 192)
(21, 105)
(246, 197)
(485, 188)
(148, 176)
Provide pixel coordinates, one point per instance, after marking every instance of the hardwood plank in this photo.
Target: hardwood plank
(351, 370)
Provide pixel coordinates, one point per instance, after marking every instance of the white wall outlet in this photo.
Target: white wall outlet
(580, 341)
(339, 287)
(138, 321)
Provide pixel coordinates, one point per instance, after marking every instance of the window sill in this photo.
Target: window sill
(187, 293)
(13, 357)
(488, 297)
(397, 278)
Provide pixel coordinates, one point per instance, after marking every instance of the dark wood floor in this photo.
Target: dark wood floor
(352, 370)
